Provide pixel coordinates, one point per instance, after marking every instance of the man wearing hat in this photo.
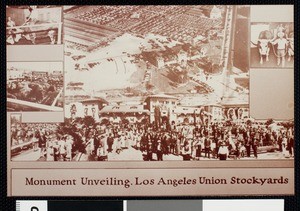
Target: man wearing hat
(149, 151)
(110, 141)
(159, 152)
(207, 143)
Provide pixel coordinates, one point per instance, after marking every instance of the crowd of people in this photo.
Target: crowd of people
(41, 138)
(35, 88)
(29, 32)
(194, 142)
(14, 34)
(97, 142)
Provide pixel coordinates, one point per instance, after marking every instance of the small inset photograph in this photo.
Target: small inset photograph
(34, 86)
(272, 45)
(33, 25)
(31, 141)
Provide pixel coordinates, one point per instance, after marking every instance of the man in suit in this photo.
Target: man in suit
(207, 144)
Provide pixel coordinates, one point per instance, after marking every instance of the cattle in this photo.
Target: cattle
(264, 44)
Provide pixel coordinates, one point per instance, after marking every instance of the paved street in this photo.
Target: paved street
(132, 154)
(29, 155)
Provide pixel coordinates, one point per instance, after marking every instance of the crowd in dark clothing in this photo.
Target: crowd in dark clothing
(188, 142)
(213, 141)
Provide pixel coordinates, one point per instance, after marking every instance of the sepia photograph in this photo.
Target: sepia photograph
(272, 45)
(151, 91)
(34, 86)
(127, 92)
(146, 58)
(33, 25)
(86, 140)
(175, 205)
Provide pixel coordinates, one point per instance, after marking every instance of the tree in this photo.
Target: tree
(65, 127)
(14, 120)
(287, 124)
(128, 89)
(105, 122)
(51, 89)
(182, 76)
(125, 121)
(68, 127)
(149, 86)
(269, 121)
(248, 122)
(39, 95)
(145, 121)
(78, 120)
(89, 121)
(216, 68)
(228, 123)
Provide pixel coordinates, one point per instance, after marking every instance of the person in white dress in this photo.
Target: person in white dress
(285, 152)
(62, 149)
(69, 144)
(223, 152)
(50, 153)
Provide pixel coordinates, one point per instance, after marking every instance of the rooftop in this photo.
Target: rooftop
(124, 109)
(91, 100)
(162, 96)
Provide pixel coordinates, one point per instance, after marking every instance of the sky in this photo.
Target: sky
(36, 66)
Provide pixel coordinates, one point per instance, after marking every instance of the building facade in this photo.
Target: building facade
(159, 109)
(126, 114)
(89, 107)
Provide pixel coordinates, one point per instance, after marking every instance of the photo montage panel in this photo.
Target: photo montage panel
(145, 88)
